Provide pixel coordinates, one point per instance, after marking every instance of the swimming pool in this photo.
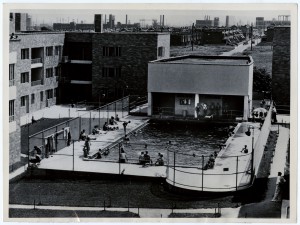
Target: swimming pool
(188, 141)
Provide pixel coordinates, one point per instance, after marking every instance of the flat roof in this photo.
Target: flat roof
(197, 59)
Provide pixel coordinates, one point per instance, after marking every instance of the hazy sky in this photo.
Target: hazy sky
(172, 18)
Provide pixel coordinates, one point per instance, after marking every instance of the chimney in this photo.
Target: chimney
(126, 19)
(98, 23)
(163, 20)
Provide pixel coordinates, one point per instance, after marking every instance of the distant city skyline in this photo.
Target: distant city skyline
(172, 17)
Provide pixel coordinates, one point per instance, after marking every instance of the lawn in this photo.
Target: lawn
(199, 50)
(262, 56)
(43, 213)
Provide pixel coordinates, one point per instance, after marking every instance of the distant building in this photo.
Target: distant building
(216, 22)
(260, 25)
(281, 78)
(246, 31)
(227, 21)
(222, 84)
(204, 23)
(72, 26)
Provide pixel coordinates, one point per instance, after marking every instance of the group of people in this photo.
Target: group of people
(37, 155)
(145, 159)
(211, 161)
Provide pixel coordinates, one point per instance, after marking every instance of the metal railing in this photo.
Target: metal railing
(165, 112)
(36, 82)
(36, 60)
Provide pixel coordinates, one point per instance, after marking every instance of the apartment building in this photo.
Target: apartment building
(33, 71)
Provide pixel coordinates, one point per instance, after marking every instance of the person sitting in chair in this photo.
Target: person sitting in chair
(82, 135)
(160, 160)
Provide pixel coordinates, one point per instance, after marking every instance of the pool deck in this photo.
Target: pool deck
(64, 160)
(216, 179)
(222, 177)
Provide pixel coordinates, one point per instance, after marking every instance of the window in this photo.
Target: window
(23, 100)
(49, 72)
(25, 77)
(11, 16)
(161, 51)
(55, 92)
(25, 53)
(41, 96)
(111, 71)
(11, 110)
(185, 101)
(57, 71)
(57, 50)
(111, 51)
(11, 74)
(32, 98)
(49, 94)
(49, 51)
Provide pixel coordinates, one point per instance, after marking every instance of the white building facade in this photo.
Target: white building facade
(201, 86)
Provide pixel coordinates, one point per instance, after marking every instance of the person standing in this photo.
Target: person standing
(279, 187)
(125, 125)
(123, 157)
(69, 139)
(86, 148)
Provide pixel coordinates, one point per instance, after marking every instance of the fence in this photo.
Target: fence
(163, 112)
(56, 138)
(197, 177)
(261, 141)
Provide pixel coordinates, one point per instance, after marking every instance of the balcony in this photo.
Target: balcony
(12, 83)
(36, 82)
(37, 62)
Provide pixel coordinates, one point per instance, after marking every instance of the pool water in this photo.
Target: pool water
(188, 141)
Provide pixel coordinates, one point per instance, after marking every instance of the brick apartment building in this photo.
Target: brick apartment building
(33, 70)
(47, 68)
(109, 64)
(281, 65)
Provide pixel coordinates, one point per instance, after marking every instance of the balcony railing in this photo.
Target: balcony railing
(11, 83)
(36, 82)
(11, 118)
(37, 60)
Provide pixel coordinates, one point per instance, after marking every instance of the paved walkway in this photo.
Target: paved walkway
(267, 208)
(143, 212)
(240, 48)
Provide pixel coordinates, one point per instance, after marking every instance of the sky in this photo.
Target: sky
(172, 17)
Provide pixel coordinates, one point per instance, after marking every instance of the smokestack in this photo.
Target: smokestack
(163, 20)
(98, 23)
(160, 20)
(105, 19)
(126, 19)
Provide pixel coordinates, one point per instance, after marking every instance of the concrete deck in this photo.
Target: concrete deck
(64, 160)
(222, 177)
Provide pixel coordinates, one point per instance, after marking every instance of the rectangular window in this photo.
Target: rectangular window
(111, 51)
(161, 51)
(57, 50)
(25, 77)
(23, 100)
(49, 94)
(57, 71)
(41, 96)
(185, 101)
(111, 71)
(55, 92)
(11, 110)
(49, 72)
(49, 51)
(32, 98)
(11, 74)
(25, 53)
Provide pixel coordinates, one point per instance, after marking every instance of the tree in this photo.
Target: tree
(262, 81)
